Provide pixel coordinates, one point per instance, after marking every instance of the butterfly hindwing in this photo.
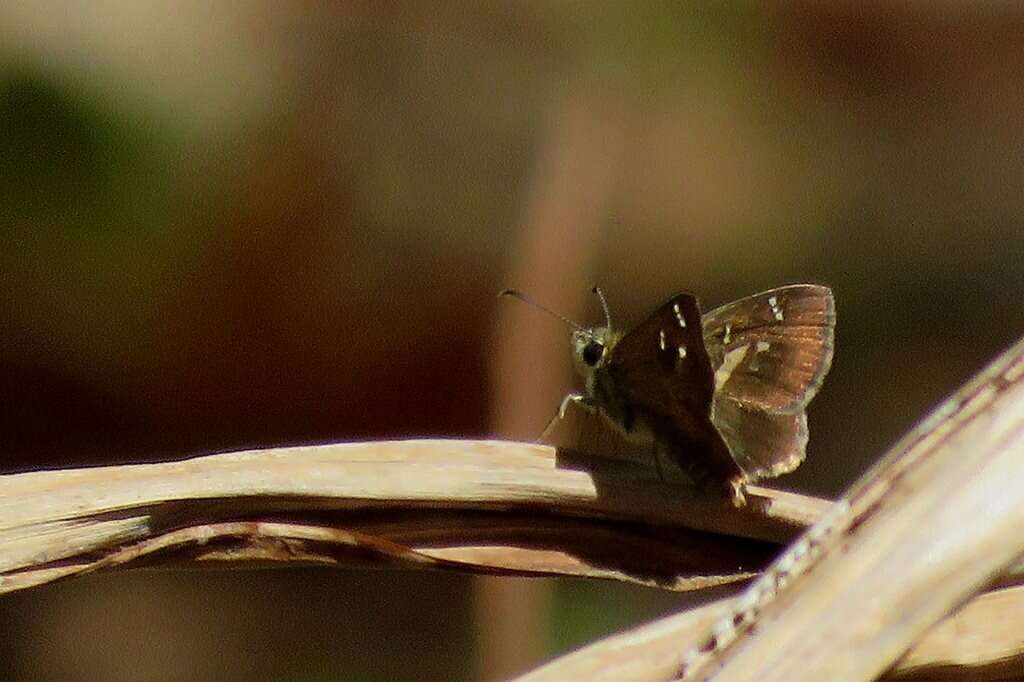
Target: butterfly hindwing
(771, 351)
(763, 444)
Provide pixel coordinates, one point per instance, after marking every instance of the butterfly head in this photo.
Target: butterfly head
(590, 348)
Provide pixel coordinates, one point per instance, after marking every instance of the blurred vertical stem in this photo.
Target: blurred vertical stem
(563, 213)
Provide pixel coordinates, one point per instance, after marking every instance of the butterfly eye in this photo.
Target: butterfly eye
(593, 352)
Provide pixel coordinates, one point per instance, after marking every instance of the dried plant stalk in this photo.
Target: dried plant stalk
(484, 506)
(935, 521)
(972, 645)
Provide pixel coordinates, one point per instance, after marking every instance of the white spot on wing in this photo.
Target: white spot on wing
(732, 360)
(679, 315)
(727, 337)
(776, 308)
(682, 351)
(762, 346)
(752, 365)
(661, 339)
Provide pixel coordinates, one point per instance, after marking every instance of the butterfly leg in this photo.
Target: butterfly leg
(736, 490)
(577, 398)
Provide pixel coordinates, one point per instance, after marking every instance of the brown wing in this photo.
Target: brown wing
(664, 373)
(663, 361)
(771, 351)
(763, 444)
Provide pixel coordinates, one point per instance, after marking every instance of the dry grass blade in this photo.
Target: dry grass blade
(972, 645)
(484, 506)
(934, 522)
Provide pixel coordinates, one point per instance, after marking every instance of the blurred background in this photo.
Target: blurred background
(235, 225)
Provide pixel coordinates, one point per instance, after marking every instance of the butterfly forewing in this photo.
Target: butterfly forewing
(771, 351)
(663, 371)
(663, 359)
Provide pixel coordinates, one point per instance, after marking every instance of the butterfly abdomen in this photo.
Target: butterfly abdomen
(700, 452)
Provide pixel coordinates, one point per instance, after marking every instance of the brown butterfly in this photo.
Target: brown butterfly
(722, 396)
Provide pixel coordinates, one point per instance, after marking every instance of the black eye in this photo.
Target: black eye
(592, 353)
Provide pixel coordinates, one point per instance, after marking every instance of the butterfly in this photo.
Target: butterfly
(722, 395)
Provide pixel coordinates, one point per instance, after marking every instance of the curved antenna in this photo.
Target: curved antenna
(604, 306)
(515, 293)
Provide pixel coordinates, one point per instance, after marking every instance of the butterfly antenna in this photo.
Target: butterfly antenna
(604, 306)
(514, 293)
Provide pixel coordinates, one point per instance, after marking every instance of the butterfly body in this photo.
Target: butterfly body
(722, 396)
(656, 383)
